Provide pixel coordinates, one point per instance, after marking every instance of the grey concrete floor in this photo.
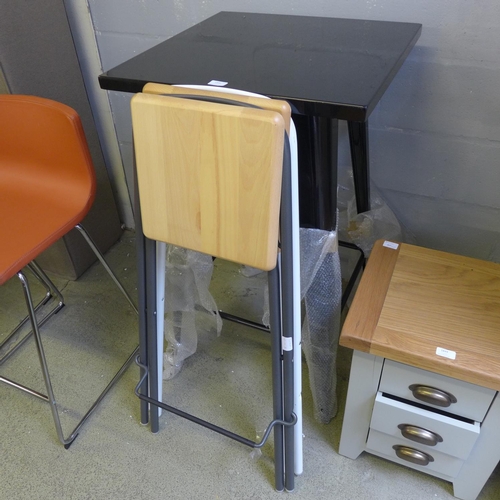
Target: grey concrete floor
(227, 381)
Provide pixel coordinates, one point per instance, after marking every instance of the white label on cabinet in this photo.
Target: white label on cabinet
(217, 83)
(390, 244)
(445, 353)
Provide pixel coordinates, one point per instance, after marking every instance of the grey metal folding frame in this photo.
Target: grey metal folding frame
(53, 293)
(281, 327)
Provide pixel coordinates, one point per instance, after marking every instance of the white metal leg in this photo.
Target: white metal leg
(161, 249)
(297, 348)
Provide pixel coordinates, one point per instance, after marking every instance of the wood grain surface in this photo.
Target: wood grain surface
(433, 300)
(210, 176)
(360, 323)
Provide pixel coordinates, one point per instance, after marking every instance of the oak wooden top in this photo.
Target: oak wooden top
(209, 176)
(412, 301)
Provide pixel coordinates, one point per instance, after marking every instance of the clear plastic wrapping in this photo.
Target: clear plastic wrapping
(321, 293)
(187, 278)
(366, 228)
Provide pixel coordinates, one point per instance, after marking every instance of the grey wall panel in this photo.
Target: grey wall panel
(38, 57)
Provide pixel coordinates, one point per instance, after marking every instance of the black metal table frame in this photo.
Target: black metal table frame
(315, 114)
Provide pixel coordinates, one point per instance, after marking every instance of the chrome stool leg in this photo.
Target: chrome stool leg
(100, 256)
(43, 362)
(53, 292)
(10, 344)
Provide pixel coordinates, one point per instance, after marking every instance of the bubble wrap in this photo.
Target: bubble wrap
(321, 290)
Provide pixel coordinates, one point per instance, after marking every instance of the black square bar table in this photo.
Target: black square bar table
(328, 69)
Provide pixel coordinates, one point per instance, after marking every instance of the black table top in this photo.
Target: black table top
(331, 67)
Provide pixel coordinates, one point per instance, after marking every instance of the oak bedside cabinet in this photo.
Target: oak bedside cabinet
(423, 390)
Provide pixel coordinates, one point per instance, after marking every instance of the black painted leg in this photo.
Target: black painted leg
(358, 139)
(317, 139)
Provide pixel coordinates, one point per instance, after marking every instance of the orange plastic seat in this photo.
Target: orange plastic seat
(47, 186)
(47, 179)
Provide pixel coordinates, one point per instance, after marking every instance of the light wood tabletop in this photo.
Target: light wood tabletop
(429, 309)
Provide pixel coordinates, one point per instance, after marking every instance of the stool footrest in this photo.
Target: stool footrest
(204, 423)
(243, 321)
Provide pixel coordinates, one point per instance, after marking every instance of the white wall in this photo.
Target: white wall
(435, 135)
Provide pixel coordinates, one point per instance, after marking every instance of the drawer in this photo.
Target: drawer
(447, 435)
(383, 445)
(472, 401)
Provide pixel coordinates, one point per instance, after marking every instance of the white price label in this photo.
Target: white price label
(217, 83)
(446, 353)
(390, 244)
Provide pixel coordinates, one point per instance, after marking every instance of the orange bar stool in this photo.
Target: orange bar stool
(47, 186)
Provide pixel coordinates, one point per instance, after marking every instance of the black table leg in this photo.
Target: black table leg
(317, 139)
(358, 140)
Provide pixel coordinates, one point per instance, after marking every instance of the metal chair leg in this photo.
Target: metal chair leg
(54, 292)
(10, 345)
(100, 256)
(43, 362)
(50, 397)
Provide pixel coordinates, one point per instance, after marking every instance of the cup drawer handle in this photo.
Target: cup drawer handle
(412, 455)
(432, 395)
(420, 435)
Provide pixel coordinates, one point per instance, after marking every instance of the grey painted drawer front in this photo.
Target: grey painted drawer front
(442, 464)
(472, 401)
(427, 430)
